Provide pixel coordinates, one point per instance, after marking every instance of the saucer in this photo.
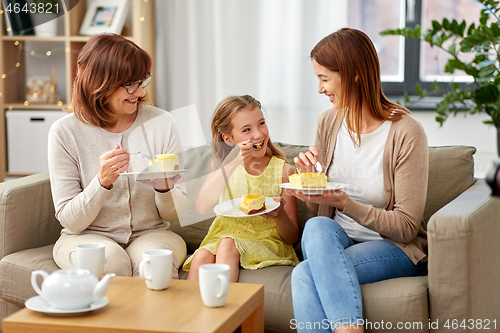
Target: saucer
(38, 304)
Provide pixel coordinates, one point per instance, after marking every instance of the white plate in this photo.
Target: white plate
(330, 186)
(153, 174)
(230, 208)
(38, 304)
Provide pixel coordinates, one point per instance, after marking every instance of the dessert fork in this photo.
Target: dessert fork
(143, 155)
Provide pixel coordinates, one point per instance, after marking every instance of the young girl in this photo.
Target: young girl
(259, 168)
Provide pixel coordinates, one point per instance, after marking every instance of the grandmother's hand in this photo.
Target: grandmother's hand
(112, 163)
(162, 184)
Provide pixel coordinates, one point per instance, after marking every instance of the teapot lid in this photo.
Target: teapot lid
(73, 273)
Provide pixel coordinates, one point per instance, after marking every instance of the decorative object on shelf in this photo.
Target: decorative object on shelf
(104, 16)
(18, 21)
(42, 90)
(482, 42)
(43, 15)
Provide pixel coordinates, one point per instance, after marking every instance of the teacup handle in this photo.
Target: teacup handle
(34, 283)
(70, 261)
(142, 269)
(223, 283)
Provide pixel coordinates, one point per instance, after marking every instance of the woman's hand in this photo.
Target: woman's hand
(336, 198)
(162, 184)
(305, 162)
(112, 163)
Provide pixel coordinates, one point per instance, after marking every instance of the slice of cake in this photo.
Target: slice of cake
(308, 180)
(164, 162)
(252, 203)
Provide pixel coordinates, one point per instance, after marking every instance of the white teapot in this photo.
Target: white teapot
(69, 289)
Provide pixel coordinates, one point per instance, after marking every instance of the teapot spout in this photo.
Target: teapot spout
(101, 287)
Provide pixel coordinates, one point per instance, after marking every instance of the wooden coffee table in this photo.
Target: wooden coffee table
(134, 308)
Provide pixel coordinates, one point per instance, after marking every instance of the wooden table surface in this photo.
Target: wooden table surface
(134, 308)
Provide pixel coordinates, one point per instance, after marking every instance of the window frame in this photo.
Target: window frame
(412, 63)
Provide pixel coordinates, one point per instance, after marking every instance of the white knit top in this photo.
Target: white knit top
(127, 209)
(361, 169)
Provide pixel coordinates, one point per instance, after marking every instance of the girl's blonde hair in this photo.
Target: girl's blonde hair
(351, 53)
(221, 124)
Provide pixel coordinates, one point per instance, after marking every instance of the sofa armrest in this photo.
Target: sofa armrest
(464, 258)
(27, 216)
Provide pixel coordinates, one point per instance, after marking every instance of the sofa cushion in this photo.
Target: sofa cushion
(15, 272)
(392, 301)
(451, 171)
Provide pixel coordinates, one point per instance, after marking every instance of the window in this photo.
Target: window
(405, 62)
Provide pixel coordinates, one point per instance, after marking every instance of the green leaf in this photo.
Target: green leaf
(446, 24)
(454, 27)
(472, 27)
(440, 120)
(435, 25)
(435, 86)
(453, 49)
(418, 89)
(407, 98)
(462, 27)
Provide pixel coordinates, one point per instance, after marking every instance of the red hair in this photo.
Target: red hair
(105, 63)
(351, 53)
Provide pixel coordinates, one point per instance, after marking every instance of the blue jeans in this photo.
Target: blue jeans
(325, 286)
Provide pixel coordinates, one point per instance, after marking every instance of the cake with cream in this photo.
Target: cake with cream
(164, 162)
(308, 180)
(252, 203)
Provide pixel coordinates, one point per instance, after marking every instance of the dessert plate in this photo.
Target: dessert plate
(38, 304)
(330, 186)
(153, 174)
(230, 208)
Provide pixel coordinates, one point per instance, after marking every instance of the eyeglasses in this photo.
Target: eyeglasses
(132, 88)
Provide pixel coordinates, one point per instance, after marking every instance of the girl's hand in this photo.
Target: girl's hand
(305, 162)
(275, 213)
(162, 184)
(112, 163)
(246, 149)
(336, 198)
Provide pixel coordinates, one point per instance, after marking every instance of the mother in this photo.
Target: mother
(372, 230)
(88, 150)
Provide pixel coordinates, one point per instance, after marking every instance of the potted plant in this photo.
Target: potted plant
(458, 40)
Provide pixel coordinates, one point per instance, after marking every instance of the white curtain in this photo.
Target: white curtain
(207, 50)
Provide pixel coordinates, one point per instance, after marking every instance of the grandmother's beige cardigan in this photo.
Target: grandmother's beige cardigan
(405, 169)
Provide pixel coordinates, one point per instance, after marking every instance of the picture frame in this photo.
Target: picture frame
(105, 16)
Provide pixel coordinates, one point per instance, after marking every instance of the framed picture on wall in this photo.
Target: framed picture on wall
(104, 16)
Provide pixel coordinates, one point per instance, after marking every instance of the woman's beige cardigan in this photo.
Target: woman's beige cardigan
(405, 168)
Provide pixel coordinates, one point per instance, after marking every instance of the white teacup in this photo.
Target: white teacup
(214, 284)
(89, 256)
(156, 268)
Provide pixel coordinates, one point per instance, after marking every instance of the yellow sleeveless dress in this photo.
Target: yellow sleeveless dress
(256, 238)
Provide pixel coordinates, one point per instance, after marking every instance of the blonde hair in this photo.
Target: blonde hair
(351, 53)
(221, 124)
